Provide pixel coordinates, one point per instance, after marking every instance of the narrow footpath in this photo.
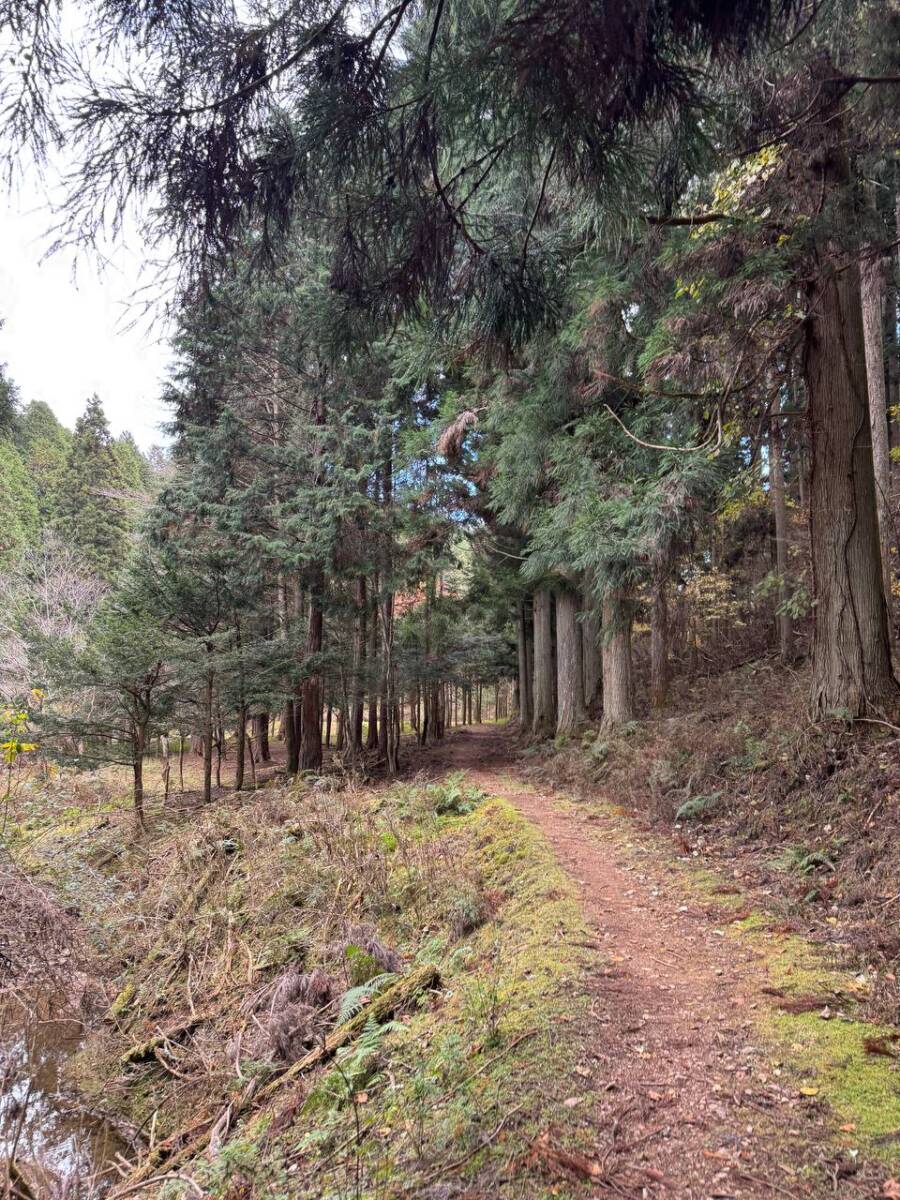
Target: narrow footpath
(684, 1088)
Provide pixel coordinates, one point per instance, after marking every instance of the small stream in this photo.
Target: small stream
(60, 1148)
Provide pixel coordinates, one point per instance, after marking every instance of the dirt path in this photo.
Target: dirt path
(685, 1094)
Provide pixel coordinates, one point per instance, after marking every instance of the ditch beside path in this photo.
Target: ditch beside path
(683, 1086)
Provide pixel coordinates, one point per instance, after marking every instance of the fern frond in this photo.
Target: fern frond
(356, 998)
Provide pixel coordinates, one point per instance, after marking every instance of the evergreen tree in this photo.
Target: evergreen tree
(9, 403)
(92, 514)
(134, 468)
(19, 513)
(45, 446)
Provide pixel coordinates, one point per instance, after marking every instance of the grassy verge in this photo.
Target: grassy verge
(239, 937)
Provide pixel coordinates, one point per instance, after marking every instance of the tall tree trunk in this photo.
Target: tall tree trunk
(544, 716)
(359, 669)
(590, 653)
(241, 731)
(782, 535)
(240, 743)
(208, 727)
(288, 720)
(262, 737)
(311, 707)
(252, 762)
(618, 700)
(291, 743)
(138, 747)
(372, 731)
(872, 291)
(659, 640)
(851, 662)
(526, 708)
(570, 684)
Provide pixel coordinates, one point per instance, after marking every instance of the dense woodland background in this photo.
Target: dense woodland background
(528, 360)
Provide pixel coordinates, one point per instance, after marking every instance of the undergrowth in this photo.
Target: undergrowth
(241, 937)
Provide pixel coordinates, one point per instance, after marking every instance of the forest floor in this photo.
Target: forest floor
(711, 1058)
(623, 1008)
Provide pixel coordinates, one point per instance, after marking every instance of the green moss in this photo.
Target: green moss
(792, 964)
(122, 1000)
(861, 1089)
(509, 991)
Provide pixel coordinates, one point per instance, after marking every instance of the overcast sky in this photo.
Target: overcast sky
(65, 337)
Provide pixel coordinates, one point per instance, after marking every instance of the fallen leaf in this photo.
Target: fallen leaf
(879, 1045)
(848, 1128)
(569, 1160)
(891, 1189)
(361, 1097)
(809, 1091)
(573, 1101)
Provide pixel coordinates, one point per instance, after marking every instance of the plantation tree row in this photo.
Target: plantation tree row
(555, 344)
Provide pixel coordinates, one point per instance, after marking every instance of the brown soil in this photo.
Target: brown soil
(685, 1097)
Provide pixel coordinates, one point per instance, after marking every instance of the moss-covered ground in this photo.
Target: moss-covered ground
(198, 922)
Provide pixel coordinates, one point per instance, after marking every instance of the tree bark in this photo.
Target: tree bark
(778, 497)
(851, 663)
(526, 709)
(570, 684)
(241, 731)
(359, 669)
(311, 704)
(618, 700)
(208, 730)
(372, 731)
(543, 719)
(659, 640)
(138, 746)
(291, 745)
(262, 737)
(872, 293)
(590, 653)
(240, 744)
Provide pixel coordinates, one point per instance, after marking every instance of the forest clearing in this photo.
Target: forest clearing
(462, 758)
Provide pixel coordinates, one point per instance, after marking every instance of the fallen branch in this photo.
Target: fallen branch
(189, 904)
(144, 1050)
(380, 1009)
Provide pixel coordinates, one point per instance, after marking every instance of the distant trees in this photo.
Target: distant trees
(578, 392)
(109, 689)
(91, 514)
(44, 445)
(69, 505)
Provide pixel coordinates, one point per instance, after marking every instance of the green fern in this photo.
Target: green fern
(357, 998)
(697, 806)
(354, 1069)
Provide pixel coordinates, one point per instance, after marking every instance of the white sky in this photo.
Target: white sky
(66, 333)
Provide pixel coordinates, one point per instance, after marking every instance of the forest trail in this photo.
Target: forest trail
(684, 1089)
